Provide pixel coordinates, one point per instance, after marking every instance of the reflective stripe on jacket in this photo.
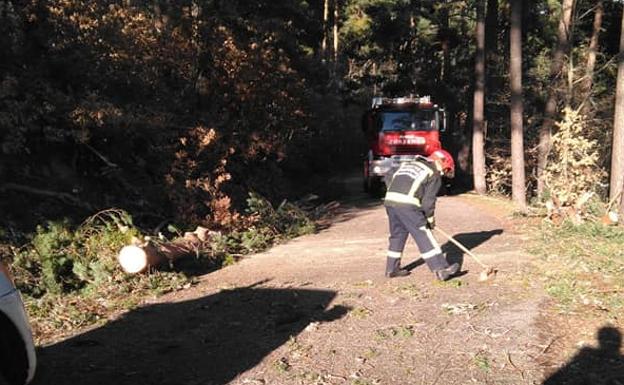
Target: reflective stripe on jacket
(414, 183)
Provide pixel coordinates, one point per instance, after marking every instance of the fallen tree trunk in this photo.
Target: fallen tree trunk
(140, 256)
(62, 196)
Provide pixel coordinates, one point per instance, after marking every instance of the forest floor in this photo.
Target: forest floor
(318, 310)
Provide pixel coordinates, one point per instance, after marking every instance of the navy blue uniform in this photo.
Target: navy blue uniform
(410, 204)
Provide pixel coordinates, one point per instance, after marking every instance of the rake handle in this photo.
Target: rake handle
(461, 247)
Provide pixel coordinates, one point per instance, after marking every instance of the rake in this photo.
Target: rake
(488, 271)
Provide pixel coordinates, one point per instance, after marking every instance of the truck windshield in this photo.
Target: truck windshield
(407, 121)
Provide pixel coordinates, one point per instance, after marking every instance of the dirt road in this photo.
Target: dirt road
(317, 310)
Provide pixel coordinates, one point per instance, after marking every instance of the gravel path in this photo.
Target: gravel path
(318, 310)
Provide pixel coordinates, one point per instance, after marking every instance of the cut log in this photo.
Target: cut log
(136, 259)
(140, 256)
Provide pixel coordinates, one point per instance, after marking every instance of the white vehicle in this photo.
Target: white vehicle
(17, 350)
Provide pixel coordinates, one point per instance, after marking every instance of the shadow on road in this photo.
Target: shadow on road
(470, 241)
(453, 253)
(209, 340)
(596, 366)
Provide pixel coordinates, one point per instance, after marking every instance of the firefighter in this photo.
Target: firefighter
(410, 205)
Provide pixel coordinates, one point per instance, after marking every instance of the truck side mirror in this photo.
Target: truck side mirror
(442, 120)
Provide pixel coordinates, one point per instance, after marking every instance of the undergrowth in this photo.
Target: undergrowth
(70, 278)
(582, 266)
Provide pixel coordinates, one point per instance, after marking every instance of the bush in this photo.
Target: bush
(60, 259)
(70, 276)
(266, 225)
(287, 220)
(573, 168)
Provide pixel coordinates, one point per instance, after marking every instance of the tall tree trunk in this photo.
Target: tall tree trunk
(569, 96)
(478, 135)
(334, 70)
(551, 101)
(593, 50)
(201, 88)
(621, 210)
(617, 150)
(444, 43)
(325, 27)
(375, 79)
(336, 32)
(622, 201)
(515, 71)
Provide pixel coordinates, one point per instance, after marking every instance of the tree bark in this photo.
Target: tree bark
(559, 53)
(593, 49)
(374, 79)
(621, 210)
(62, 196)
(515, 70)
(325, 25)
(336, 32)
(444, 43)
(478, 134)
(617, 151)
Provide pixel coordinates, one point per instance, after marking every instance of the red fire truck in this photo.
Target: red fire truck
(398, 129)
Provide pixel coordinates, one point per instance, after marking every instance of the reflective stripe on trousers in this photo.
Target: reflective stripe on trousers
(409, 220)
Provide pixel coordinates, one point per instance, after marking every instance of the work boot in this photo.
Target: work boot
(393, 268)
(447, 272)
(436, 262)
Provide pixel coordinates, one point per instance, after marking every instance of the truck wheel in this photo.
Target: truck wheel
(13, 355)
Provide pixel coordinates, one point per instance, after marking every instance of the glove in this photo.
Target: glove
(431, 223)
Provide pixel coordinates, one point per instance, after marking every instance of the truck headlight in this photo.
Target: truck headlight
(380, 170)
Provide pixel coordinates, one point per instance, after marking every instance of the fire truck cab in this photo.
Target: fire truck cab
(398, 129)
